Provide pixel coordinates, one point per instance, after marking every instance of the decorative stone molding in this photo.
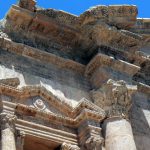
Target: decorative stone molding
(115, 98)
(8, 121)
(94, 143)
(103, 60)
(66, 146)
(10, 82)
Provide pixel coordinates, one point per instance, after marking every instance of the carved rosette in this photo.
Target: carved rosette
(115, 98)
(94, 143)
(8, 121)
(66, 146)
(39, 104)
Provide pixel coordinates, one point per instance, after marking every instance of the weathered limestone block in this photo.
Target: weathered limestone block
(122, 16)
(103, 34)
(28, 4)
(93, 14)
(7, 131)
(118, 134)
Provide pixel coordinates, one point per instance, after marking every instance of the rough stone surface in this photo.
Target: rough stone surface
(74, 82)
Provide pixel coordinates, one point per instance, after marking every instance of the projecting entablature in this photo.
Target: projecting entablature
(73, 36)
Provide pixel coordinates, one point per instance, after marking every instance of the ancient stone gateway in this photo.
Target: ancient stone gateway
(74, 82)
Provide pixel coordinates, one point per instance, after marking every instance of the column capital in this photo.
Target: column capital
(94, 143)
(115, 97)
(7, 121)
(66, 146)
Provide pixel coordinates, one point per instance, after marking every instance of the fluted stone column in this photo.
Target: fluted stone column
(115, 98)
(7, 132)
(118, 134)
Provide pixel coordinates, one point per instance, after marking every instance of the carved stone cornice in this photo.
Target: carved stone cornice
(14, 82)
(66, 146)
(38, 90)
(94, 143)
(37, 54)
(74, 115)
(8, 121)
(115, 98)
(103, 60)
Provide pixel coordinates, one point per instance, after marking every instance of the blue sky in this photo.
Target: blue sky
(78, 6)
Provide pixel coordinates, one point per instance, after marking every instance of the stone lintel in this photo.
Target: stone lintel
(103, 60)
(47, 133)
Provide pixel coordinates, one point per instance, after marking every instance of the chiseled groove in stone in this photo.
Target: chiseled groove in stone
(28, 51)
(104, 60)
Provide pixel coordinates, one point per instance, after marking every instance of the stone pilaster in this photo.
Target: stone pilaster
(8, 131)
(20, 140)
(115, 98)
(66, 146)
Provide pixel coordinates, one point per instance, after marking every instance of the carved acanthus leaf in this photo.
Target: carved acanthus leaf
(66, 146)
(94, 143)
(7, 121)
(114, 97)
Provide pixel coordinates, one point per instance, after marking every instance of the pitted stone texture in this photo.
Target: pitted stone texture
(123, 16)
(97, 13)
